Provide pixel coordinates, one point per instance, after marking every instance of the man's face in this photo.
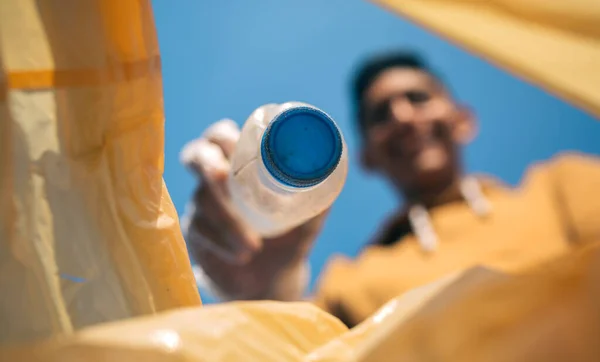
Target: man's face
(413, 129)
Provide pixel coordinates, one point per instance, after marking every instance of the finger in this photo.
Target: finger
(217, 209)
(206, 235)
(224, 133)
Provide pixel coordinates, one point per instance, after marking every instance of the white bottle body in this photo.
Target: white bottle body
(270, 207)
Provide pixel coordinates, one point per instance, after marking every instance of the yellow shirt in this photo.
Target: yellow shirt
(556, 207)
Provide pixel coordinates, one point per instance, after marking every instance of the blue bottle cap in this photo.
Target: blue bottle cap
(301, 147)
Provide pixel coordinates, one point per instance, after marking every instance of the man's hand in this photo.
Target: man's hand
(241, 263)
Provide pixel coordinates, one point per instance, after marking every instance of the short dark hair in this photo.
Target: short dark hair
(371, 68)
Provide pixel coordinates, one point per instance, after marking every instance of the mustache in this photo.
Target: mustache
(434, 129)
(409, 140)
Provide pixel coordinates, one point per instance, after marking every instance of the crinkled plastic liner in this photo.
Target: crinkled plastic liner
(88, 233)
(549, 314)
(91, 254)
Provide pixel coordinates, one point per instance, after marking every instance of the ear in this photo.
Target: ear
(465, 128)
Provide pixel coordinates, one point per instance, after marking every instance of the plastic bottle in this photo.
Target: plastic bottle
(289, 165)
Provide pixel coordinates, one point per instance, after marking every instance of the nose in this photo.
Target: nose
(401, 110)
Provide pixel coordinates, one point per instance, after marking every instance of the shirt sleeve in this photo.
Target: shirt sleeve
(576, 187)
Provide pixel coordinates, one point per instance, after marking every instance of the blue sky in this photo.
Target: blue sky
(224, 58)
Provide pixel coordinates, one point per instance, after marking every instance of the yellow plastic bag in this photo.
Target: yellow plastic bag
(245, 331)
(554, 44)
(549, 314)
(88, 233)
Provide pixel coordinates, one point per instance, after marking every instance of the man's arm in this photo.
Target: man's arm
(235, 261)
(278, 271)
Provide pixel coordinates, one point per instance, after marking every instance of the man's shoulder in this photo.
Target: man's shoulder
(569, 160)
(566, 159)
(563, 165)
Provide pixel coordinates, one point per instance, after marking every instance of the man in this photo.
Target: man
(412, 131)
